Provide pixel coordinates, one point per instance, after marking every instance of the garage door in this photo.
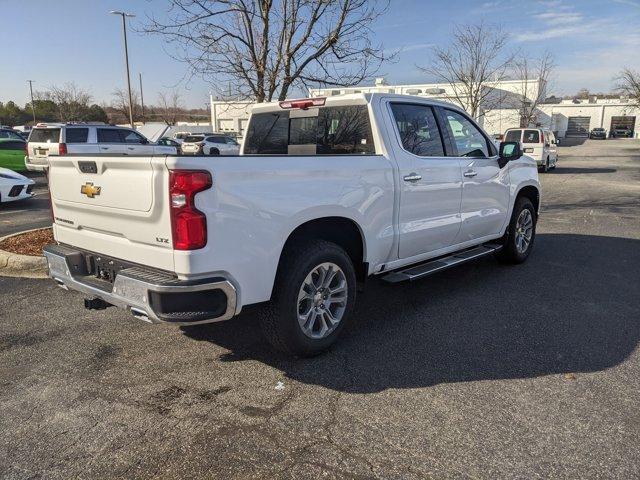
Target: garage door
(623, 122)
(578, 126)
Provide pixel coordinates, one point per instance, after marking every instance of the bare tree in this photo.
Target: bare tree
(72, 102)
(534, 75)
(475, 56)
(169, 107)
(121, 103)
(264, 49)
(628, 83)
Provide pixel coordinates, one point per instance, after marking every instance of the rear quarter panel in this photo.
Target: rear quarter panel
(257, 201)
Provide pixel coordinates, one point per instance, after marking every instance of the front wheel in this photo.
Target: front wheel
(312, 301)
(521, 233)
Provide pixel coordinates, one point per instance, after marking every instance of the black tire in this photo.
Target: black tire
(545, 167)
(279, 318)
(214, 151)
(509, 252)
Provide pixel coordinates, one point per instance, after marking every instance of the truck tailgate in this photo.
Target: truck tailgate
(116, 206)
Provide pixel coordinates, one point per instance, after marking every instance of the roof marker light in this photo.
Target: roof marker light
(303, 103)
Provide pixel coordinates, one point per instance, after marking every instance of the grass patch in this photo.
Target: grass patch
(12, 159)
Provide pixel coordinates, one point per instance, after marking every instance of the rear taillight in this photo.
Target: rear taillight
(62, 149)
(26, 149)
(541, 137)
(188, 224)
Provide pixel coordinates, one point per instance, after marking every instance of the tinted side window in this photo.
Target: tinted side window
(468, 139)
(268, 133)
(109, 135)
(513, 136)
(418, 129)
(131, 137)
(344, 131)
(531, 136)
(77, 135)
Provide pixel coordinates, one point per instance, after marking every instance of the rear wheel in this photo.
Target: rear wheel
(545, 167)
(521, 233)
(313, 298)
(214, 151)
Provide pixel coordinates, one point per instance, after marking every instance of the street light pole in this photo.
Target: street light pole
(141, 97)
(33, 108)
(126, 59)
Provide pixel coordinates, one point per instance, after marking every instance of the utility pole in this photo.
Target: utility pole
(126, 58)
(141, 97)
(33, 108)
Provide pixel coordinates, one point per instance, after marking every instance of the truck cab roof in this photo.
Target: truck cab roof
(352, 99)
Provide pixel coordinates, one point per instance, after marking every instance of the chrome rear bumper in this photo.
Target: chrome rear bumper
(149, 294)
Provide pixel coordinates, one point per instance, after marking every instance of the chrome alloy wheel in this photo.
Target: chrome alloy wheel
(322, 300)
(524, 230)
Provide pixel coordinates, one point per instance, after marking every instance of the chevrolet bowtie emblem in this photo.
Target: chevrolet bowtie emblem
(89, 190)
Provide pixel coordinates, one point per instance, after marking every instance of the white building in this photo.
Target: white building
(230, 116)
(566, 118)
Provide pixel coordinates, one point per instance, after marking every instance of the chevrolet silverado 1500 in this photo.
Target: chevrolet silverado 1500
(325, 193)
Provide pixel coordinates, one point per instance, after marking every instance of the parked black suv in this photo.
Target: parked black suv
(598, 133)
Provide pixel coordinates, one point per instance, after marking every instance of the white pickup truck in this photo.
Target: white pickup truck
(325, 193)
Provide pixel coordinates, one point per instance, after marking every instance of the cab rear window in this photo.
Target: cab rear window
(333, 131)
(45, 135)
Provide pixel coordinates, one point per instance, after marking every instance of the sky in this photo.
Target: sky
(53, 42)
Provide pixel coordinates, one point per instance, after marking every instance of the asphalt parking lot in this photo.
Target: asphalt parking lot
(24, 215)
(484, 371)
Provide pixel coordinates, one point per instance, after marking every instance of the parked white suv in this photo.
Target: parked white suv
(209, 144)
(538, 143)
(60, 139)
(326, 193)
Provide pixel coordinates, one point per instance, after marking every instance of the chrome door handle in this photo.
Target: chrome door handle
(104, 148)
(412, 177)
(470, 173)
(130, 148)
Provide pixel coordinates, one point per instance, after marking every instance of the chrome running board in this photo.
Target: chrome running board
(421, 270)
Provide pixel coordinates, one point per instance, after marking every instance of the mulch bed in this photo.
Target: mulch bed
(30, 243)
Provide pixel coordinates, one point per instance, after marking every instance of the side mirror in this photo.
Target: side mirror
(144, 141)
(509, 151)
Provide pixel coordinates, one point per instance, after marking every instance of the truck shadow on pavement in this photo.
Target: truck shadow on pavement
(565, 170)
(569, 309)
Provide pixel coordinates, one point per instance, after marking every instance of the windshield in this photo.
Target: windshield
(45, 135)
(194, 138)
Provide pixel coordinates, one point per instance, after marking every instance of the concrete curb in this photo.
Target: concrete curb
(16, 265)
